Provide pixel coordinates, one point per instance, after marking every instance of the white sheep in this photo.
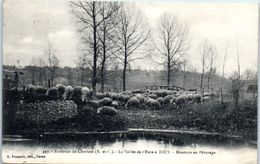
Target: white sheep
(85, 93)
(133, 103)
(68, 91)
(153, 104)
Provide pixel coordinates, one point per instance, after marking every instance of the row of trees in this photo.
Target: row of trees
(114, 32)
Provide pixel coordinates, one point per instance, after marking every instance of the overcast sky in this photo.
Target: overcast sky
(29, 24)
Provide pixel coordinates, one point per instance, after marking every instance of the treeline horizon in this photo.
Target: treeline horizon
(137, 78)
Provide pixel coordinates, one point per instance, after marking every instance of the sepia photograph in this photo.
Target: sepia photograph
(120, 82)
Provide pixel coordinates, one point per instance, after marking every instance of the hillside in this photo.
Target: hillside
(135, 78)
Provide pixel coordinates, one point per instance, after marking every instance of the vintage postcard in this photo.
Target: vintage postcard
(129, 82)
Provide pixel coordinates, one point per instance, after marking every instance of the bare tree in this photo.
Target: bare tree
(106, 36)
(83, 65)
(88, 15)
(212, 59)
(204, 54)
(132, 34)
(32, 69)
(237, 83)
(171, 44)
(184, 73)
(222, 76)
(52, 62)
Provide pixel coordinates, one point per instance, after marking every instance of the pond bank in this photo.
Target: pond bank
(204, 118)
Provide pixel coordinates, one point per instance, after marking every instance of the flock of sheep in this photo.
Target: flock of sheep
(109, 102)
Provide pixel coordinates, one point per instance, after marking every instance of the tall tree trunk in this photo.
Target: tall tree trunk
(102, 79)
(104, 59)
(95, 52)
(40, 76)
(168, 72)
(33, 77)
(184, 76)
(82, 73)
(124, 72)
(208, 80)
(201, 81)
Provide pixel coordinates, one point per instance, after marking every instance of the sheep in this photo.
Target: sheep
(40, 90)
(68, 91)
(76, 95)
(206, 94)
(140, 97)
(106, 101)
(180, 101)
(153, 96)
(107, 110)
(167, 99)
(52, 93)
(114, 96)
(61, 90)
(197, 98)
(126, 98)
(29, 89)
(161, 101)
(39, 94)
(153, 104)
(121, 98)
(100, 95)
(206, 98)
(175, 93)
(85, 94)
(115, 104)
(133, 103)
(93, 103)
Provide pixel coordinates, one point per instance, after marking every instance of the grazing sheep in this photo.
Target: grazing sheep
(85, 94)
(197, 98)
(61, 90)
(107, 110)
(121, 98)
(68, 91)
(206, 98)
(93, 103)
(167, 99)
(133, 103)
(140, 97)
(161, 101)
(189, 97)
(153, 96)
(100, 95)
(39, 94)
(29, 89)
(126, 98)
(52, 93)
(76, 95)
(153, 104)
(136, 91)
(114, 96)
(180, 101)
(106, 101)
(175, 93)
(206, 94)
(40, 90)
(115, 104)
